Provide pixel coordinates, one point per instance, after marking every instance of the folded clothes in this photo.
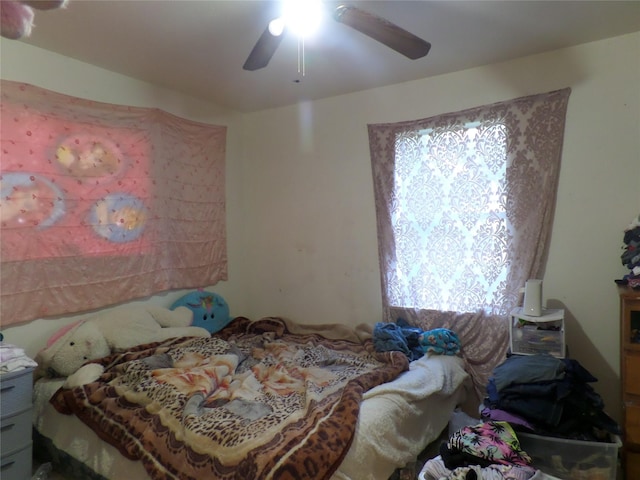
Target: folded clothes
(9, 352)
(14, 358)
(553, 395)
(499, 415)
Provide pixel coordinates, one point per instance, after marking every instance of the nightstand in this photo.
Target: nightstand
(15, 424)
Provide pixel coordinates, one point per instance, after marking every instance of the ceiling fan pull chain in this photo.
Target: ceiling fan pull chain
(301, 68)
(303, 59)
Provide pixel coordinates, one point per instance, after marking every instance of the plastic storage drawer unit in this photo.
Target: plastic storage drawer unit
(537, 335)
(15, 424)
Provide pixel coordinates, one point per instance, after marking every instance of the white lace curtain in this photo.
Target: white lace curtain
(464, 205)
(104, 203)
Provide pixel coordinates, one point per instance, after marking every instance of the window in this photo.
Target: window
(450, 218)
(464, 203)
(464, 208)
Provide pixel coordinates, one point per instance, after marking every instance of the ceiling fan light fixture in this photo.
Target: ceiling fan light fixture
(276, 26)
(302, 17)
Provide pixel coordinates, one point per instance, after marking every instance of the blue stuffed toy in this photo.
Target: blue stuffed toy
(210, 310)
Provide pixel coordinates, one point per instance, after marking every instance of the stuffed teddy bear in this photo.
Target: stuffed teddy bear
(109, 332)
(210, 310)
(16, 17)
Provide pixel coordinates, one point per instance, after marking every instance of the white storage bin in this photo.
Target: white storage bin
(560, 458)
(572, 459)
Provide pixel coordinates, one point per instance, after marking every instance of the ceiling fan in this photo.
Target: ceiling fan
(373, 26)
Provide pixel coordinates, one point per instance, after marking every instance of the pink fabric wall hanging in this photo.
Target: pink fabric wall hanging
(104, 203)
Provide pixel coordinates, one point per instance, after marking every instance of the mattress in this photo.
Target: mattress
(397, 420)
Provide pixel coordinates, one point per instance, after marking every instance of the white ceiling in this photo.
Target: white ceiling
(199, 47)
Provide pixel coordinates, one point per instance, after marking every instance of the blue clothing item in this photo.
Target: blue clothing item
(440, 340)
(528, 369)
(577, 371)
(547, 390)
(412, 341)
(393, 337)
(412, 336)
(540, 410)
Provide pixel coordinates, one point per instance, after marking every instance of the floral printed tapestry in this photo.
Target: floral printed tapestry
(103, 203)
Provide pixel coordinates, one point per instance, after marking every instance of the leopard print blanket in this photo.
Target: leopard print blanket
(252, 402)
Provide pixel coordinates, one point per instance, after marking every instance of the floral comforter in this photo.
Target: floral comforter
(255, 401)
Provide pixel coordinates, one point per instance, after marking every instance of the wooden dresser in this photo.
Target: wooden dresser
(15, 424)
(630, 379)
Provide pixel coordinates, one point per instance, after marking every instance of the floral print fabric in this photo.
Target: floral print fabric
(484, 444)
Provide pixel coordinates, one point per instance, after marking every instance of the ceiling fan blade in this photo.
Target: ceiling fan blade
(383, 31)
(263, 50)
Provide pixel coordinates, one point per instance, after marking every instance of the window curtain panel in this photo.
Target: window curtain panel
(101, 203)
(535, 132)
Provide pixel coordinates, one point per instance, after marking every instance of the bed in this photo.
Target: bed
(263, 399)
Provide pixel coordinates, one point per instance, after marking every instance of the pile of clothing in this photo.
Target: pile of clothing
(538, 394)
(14, 358)
(631, 255)
(488, 450)
(413, 341)
(548, 396)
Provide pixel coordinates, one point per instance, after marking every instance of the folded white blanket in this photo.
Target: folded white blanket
(428, 375)
(398, 419)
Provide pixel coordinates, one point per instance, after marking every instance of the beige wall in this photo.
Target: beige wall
(301, 220)
(309, 193)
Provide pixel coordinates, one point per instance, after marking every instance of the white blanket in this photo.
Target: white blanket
(398, 419)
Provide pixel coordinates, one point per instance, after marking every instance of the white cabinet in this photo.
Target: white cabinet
(15, 424)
